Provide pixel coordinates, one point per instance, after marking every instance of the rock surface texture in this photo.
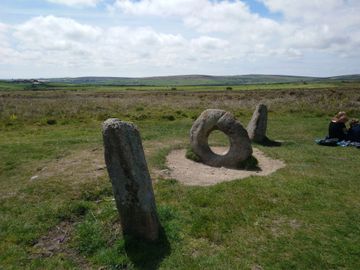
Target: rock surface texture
(258, 124)
(130, 178)
(240, 144)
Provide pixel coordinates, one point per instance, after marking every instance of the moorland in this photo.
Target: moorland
(56, 205)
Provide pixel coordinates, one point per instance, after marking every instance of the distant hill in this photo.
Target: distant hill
(350, 78)
(200, 80)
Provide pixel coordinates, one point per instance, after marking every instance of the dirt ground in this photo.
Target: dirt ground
(182, 169)
(55, 242)
(193, 173)
(79, 166)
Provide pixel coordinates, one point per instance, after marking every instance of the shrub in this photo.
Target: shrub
(103, 116)
(13, 117)
(51, 122)
(140, 117)
(168, 117)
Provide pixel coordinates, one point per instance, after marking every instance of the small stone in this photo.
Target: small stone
(165, 172)
(100, 167)
(34, 177)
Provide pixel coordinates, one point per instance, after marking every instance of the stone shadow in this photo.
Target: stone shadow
(147, 255)
(269, 143)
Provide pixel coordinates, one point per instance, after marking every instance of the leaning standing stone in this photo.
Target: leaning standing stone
(130, 178)
(258, 124)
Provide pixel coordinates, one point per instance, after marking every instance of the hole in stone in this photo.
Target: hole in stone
(219, 142)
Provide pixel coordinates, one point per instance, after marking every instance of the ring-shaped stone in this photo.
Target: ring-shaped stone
(240, 144)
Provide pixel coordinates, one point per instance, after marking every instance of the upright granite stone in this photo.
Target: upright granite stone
(130, 178)
(258, 124)
(240, 144)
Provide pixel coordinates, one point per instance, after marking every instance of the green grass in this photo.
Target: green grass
(172, 86)
(202, 80)
(304, 216)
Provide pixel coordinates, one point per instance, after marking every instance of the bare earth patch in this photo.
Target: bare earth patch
(55, 242)
(83, 166)
(193, 173)
(78, 167)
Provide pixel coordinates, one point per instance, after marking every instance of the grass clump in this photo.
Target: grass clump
(251, 163)
(114, 257)
(73, 210)
(96, 193)
(168, 117)
(190, 154)
(89, 237)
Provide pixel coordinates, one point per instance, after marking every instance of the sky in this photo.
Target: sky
(139, 38)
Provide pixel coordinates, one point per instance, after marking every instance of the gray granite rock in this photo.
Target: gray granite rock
(258, 124)
(130, 178)
(240, 144)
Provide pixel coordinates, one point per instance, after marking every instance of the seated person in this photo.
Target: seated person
(354, 131)
(337, 128)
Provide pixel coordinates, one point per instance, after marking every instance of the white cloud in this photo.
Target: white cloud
(208, 35)
(160, 7)
(203, 15)
(76, 2)
(65, 42)
(3, 31)
(55, 33)
(308, 24)
(56, 41)
(320, 24)
(242, 32)
(312, 10)
(7, 53)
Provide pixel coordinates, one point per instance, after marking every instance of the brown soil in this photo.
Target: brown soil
(55, 242)
(84, 166)
(80, 167)
(193, 173)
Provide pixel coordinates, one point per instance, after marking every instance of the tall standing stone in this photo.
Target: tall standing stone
(258, 124)
(130, 178)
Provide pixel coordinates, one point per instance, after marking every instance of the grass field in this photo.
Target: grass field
(51, 86)
(54, 188)
(194, 79)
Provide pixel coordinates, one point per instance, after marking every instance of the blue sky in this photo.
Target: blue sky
(56, 38)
